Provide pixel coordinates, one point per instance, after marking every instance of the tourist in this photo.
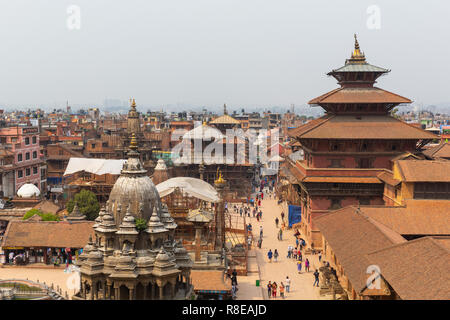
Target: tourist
(249, 241)
(300, 257)
(288, 284)
(289, 251)
(299, 266)
(282, 216)
(282, 290)
(234, 277)
(295, 253)
(276, 221)
(307, 265)
(280, 235)
(269, 255)
(274, 290)
(260, 231)
(259, 242)
(233, 291)
(275, 255)
(320, 256)
(240, 211)
(11, 257)
(262, 195)
(296, 243)
(269, 289)
(316, 276)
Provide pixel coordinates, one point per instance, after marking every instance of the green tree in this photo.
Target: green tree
(141, 224)
(44, 216)
(31, 213)
(87, 204)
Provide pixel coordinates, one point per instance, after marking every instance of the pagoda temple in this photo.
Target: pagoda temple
(347, 149)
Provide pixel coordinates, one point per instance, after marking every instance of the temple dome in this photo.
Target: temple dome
(134, 190)
(28, 190)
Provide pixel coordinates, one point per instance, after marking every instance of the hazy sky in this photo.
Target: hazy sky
(210, 52)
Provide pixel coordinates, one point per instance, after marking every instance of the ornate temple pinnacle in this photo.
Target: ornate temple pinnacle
(133, 142)
(357, 55)
(220, 179)
(133, 103)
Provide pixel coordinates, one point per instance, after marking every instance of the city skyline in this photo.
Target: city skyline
(205, 54)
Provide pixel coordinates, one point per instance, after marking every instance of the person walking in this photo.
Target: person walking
(289, 252)
(260, 231)
(274, 290)
(259, 242)
(269, 255)
(320, 256)
(299, 266)
(269, 289)
(275, 255)
(307, 265)
(276, 221)
(295, 253)
(234, 277)
(282, 290)
(280, 235)
(233, 292)
(282, 216)
(316, 276)
(288, 284)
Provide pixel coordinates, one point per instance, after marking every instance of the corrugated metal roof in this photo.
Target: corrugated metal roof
(360, 68)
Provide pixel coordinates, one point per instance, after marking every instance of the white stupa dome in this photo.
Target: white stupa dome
(28, 190)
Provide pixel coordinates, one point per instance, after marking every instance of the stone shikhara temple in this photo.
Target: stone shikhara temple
(124, 263)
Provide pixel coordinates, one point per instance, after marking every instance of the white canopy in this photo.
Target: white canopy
(96, 166)
(204, 132)
(28, 190)
(194, 187)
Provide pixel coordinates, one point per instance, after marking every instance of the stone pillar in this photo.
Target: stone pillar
(198, 241)
(152, 291)
(131, 293)
(161, 292)
(117, 294)
(145, 292)
(92, 291)
(173, 290)
(220, 214)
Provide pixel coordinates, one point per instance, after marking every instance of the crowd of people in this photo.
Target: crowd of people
(252, 209)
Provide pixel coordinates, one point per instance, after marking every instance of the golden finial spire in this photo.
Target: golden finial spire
(133, 103)
(357, 55)
(220, 179)
(133, 142)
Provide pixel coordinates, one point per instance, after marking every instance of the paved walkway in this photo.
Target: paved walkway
(56, 276)
(301, 284)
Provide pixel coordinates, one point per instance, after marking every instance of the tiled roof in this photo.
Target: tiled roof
(359, 95)
(424, 170)
(388, 178)
(47, 234)
(417, 217)
(361, 127)
(352, 235)
(225, 119)
(440, 151)
(416, 270)
(210, 280)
